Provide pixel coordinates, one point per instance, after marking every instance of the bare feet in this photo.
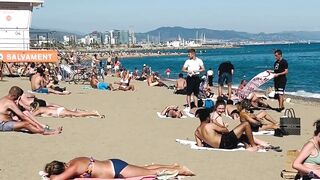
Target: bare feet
(66, 92)
(252, 148)
(185, 171)
(52, 131)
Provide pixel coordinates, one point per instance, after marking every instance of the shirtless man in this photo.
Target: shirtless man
(211, 134)
(181, 85)
(94, 82)
(8, 124)
(38, 84)
(172, 111)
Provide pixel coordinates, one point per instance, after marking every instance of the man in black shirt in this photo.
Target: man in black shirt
(225, 73)
(280, 79)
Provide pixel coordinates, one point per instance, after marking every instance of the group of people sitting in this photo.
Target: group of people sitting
(18, 111)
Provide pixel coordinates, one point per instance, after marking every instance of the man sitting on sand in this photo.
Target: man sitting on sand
(8, 106)
(61, 112)
(257, 120)
(94, 82)
(172, 111)
(38, 84)
(181, 85)
(154, 80)
(211, 134)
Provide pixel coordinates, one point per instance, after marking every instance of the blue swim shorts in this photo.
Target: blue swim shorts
(103, 86)
(42, 90)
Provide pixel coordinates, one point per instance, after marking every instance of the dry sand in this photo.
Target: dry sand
(133, 132)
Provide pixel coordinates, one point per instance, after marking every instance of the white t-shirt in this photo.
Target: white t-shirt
(193, 65)
(209, 72)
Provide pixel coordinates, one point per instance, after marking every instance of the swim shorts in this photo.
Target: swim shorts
(7, 125)
(230, 140)
(42, 90)
(103, 86)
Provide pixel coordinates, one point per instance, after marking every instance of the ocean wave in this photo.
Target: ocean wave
(303, 93)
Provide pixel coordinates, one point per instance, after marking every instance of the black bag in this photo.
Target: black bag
(289, 123)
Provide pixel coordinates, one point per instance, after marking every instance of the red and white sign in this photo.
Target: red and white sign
(18, 56)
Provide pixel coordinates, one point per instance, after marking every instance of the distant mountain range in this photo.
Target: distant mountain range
(173, 33)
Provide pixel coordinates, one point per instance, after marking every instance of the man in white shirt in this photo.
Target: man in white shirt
(193, 66)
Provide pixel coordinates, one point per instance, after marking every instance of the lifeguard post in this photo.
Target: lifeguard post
(15, 21)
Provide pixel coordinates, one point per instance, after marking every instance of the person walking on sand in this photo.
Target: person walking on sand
(280, 78)
(193, 66)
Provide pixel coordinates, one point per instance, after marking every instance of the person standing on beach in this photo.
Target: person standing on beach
(280, 79)
(193, 66)
(210, 77)
(225, 73)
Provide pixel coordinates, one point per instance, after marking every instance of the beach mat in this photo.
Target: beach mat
(165, 117)
(193, 145)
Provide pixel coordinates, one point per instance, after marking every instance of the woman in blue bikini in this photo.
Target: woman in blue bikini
(84, 167)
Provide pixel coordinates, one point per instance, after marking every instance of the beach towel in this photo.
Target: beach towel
(263, 133)
(193, 145)
(255, 83)
(186, 112)
(149, 177)
(165, 117)
(87, 87)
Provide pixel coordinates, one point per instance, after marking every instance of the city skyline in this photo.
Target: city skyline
(142, 15)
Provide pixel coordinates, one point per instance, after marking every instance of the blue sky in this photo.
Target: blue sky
(145, 15)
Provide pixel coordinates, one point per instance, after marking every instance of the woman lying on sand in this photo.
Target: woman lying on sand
(85, 167)
(60, 112)
(308, 160)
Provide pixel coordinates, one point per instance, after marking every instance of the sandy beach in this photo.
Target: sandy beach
(132, 131)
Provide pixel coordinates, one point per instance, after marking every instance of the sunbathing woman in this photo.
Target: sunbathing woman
(85, 167)
(28, 98)
(172, 111)
(60, 112)
(124, 83)
(308, 160)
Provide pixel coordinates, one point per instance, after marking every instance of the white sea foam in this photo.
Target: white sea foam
(303, 93)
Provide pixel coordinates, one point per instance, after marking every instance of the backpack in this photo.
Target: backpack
(208, 104)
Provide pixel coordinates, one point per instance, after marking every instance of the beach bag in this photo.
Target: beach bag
(289, 123)
(209, 104)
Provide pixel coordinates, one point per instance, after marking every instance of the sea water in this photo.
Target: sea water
(303, 59)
